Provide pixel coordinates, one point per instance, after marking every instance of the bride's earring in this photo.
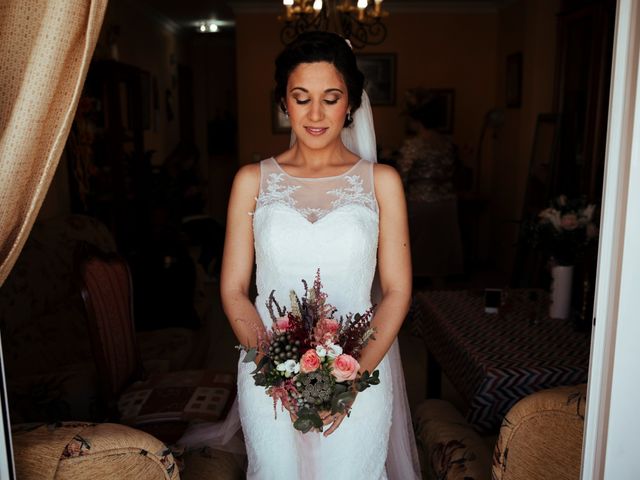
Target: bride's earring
(349, 119)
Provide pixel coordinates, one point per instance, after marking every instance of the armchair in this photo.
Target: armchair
(540, 438)
(161, 404)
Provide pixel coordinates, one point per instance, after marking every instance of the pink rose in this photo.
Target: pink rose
(345, 367)
(569, 221)
(309, 362)
(282, 324)
(326, 330)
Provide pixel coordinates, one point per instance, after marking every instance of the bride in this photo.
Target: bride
(323, 204)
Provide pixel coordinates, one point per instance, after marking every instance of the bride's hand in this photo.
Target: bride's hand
(335, 420)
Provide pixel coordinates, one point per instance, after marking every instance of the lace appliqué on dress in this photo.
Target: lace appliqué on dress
(353, 194)
(277, 190)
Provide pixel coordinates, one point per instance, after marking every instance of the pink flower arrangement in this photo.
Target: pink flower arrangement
(310, 362)
(345, 368)
(282, 324)
(564, 231)
(310, 359)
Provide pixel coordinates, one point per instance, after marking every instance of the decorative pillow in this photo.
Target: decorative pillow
(165, 404)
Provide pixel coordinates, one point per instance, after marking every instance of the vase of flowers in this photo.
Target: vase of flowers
(564, 232)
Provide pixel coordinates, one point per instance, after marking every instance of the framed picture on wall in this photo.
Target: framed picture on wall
(279, 121)
(514, 80)
(380, 77)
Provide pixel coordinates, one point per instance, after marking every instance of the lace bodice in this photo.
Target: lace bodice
(302, 224)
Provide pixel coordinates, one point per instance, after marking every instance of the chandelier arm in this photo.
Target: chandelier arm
(361, 27)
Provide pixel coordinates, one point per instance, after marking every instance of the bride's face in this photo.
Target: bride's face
(317, 103)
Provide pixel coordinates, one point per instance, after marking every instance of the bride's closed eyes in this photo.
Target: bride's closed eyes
(328, 101)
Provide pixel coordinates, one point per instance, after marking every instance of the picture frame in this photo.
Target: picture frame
(513, 80)
(280, 122)
(379, 70)
(444, 103)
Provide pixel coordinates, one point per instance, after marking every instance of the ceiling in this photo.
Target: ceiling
(190, 13)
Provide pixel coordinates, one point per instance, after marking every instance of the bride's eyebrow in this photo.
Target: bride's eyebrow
(328, 90)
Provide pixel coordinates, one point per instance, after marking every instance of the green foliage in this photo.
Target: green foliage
(251, 355)
(342, 402)
(367, 380)
(307, 419)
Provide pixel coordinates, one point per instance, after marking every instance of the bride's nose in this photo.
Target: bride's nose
(316, 112)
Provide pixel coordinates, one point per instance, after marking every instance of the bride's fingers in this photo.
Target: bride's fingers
(327, 419)
(337, 420)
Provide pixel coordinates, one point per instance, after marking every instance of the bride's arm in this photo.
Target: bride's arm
(394, 266)
(238, 257)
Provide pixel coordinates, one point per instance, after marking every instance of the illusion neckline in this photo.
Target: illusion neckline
(317, 178)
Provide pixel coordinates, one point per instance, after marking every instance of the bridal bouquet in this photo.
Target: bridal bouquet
(310, 359)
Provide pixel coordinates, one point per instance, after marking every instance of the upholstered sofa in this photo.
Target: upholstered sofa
(48, 360)
(79, 451)
(540, 438)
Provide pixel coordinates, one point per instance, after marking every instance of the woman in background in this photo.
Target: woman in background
(426, 163)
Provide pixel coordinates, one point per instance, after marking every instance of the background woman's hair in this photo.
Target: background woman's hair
(312, 47)
(425, 106)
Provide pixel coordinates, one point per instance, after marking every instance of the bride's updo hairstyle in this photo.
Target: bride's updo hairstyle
(313, 47)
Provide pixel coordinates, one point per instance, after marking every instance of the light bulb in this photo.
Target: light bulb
(203, 28)
(317, 5)
(362, 3)
(213, 27)
(287, 3)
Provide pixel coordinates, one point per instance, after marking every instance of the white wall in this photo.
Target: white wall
(612, 422)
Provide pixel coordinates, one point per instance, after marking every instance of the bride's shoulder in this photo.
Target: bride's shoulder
(387, 184)
(385, 175)
(247, 177)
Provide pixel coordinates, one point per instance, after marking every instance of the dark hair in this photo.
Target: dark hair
(426, 106)
(312, 47)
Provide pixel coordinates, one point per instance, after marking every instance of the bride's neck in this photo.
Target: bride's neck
(316, 159)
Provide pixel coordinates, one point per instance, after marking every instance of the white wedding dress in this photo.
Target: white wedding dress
(300, 225)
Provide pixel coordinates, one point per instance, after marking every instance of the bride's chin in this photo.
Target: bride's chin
(319, 142)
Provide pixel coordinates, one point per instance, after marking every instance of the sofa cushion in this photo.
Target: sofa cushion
(541, 436)
(81, 451)
(449, 448)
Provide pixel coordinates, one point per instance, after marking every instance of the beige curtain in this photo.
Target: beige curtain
(45, 51)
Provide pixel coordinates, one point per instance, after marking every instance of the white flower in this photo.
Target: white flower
(587, 213)
(288, 367)
(333, 350)
(320, 350)
(553, 216)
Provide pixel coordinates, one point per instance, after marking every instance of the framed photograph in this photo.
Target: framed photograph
(514, 80)
(380, 77)
(443, 105)
(279, 121)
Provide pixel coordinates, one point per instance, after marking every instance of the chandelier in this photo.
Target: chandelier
(361, 24)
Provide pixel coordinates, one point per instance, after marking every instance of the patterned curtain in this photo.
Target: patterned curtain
(45, 50)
